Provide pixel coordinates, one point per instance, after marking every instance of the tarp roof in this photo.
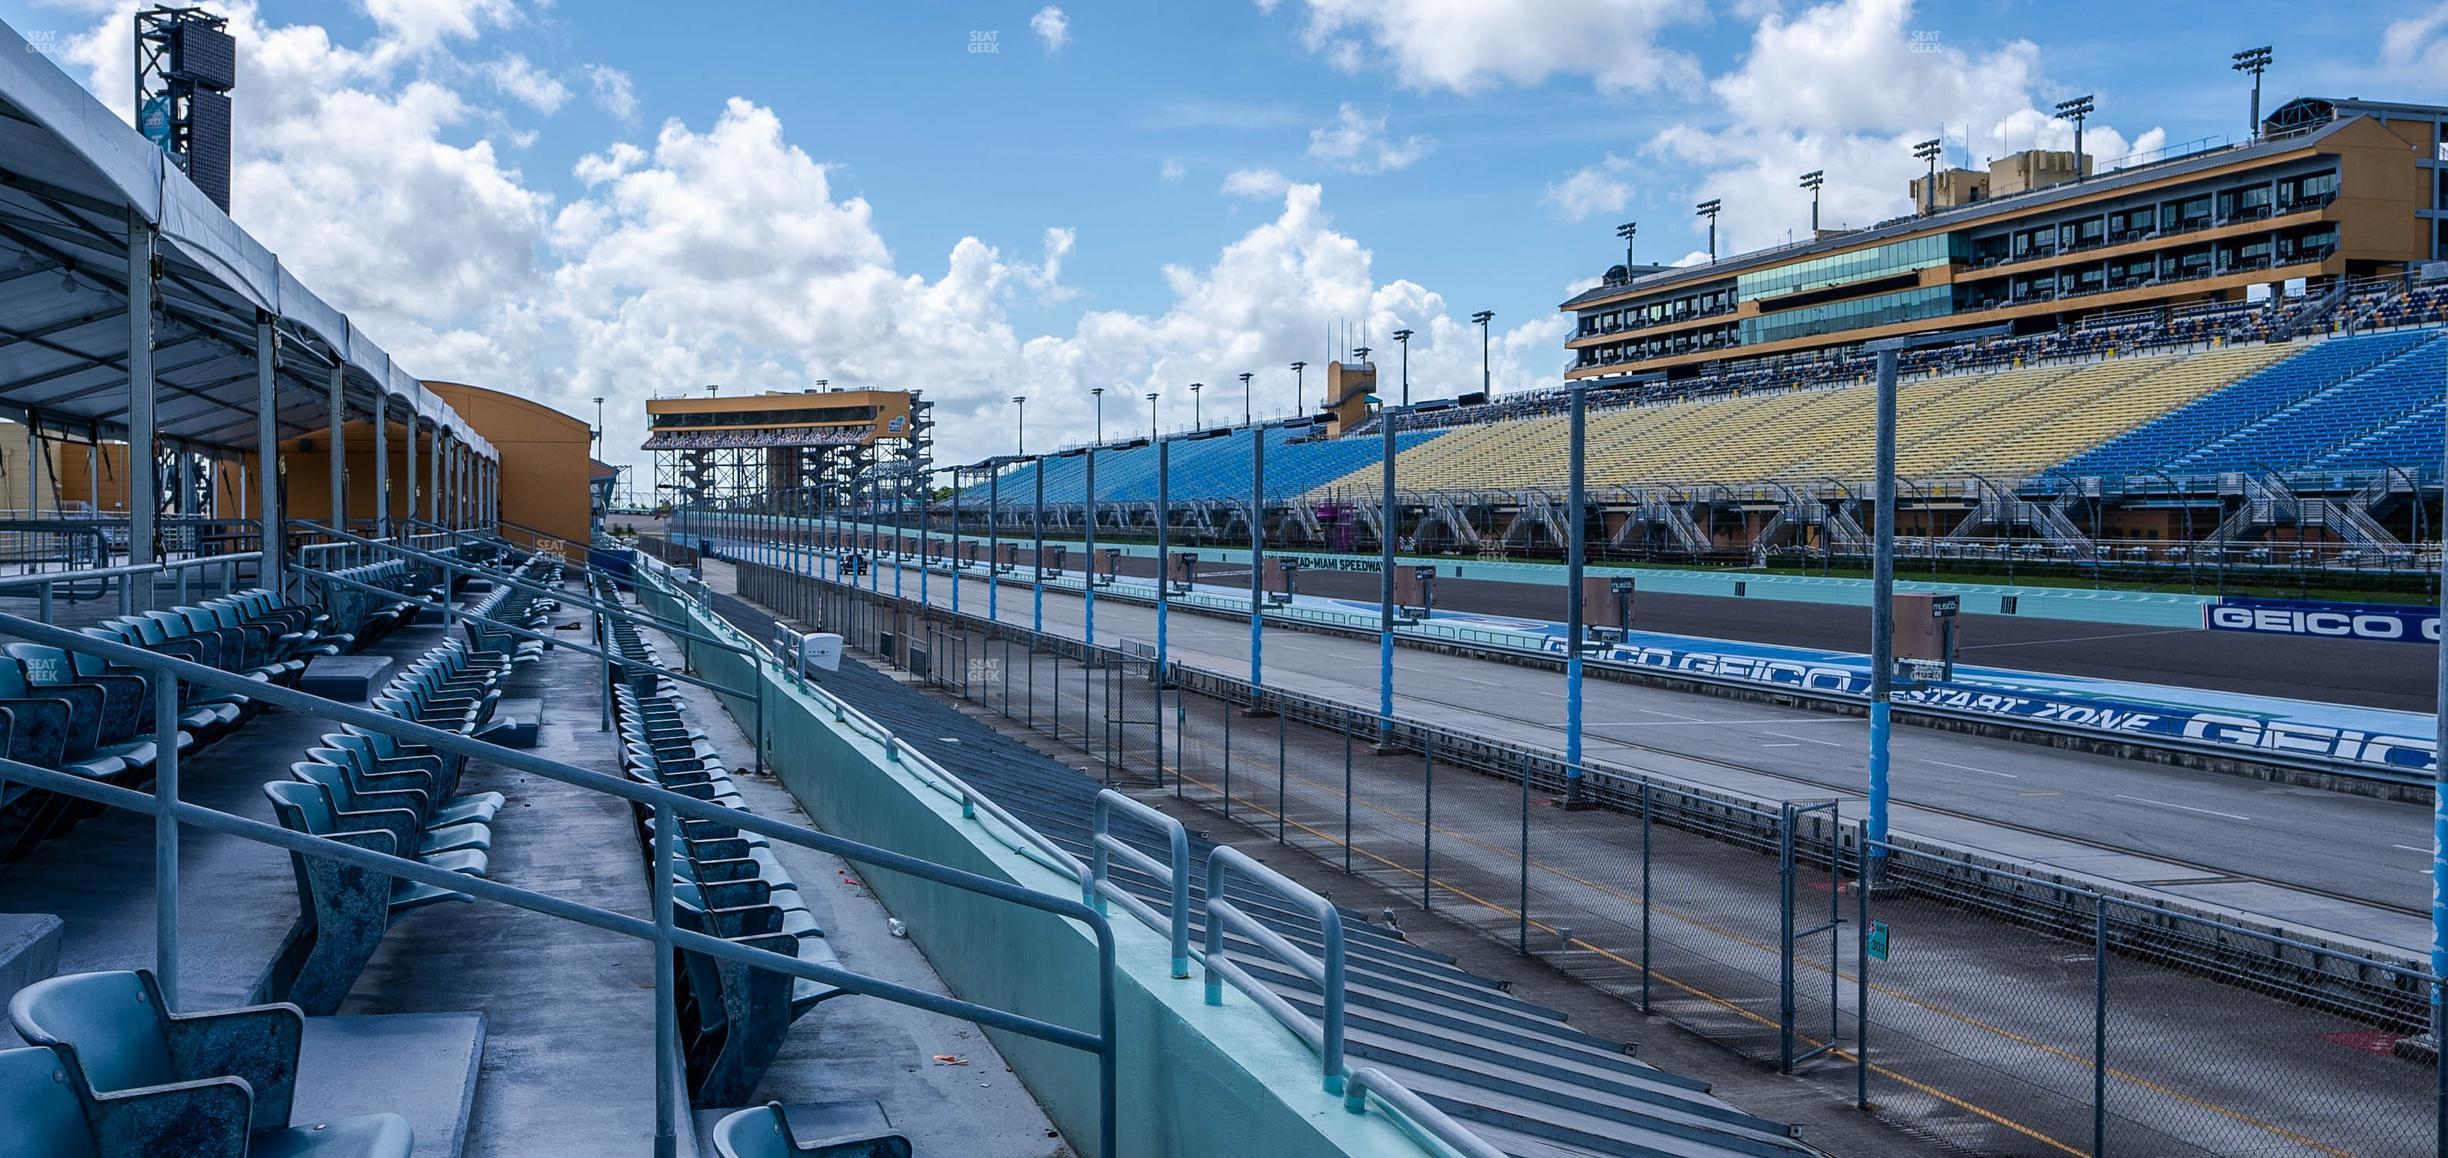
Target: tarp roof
(71, 176)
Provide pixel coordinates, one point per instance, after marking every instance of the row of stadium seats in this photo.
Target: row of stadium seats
(2006, 422)
(374, 792)
(2173, 441)
(80, 714)
(1209, 468)
(725, 883)
(515, 606)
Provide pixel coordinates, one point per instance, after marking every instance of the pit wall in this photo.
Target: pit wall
(1193, 1079)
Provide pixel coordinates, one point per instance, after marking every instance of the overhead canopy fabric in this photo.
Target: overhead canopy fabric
(72, 177)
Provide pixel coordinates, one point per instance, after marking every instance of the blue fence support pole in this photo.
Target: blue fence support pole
(1037, 569)
(956, 541)
(1164, 581)
(1257, 564)
(2439, 856)
(166, 837)
(1088, 562)
(1386, 522)
(926, 546)
(994, 513)
(1575, 558)
(1882, 615)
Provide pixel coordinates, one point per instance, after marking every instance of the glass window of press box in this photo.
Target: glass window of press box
(1895, 257)
(1874, 310)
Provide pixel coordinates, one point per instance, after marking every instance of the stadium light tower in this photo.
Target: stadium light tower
(2077, 110)
(1930, 150)
(1811, 181)
(1097, 393)
(1245, 397)
(1020, 426)
(2254, 61)
(1481, 320)
(1297, 367)
(1195, 387)
(1626, 231)
(1709, 210)
(1403, 338)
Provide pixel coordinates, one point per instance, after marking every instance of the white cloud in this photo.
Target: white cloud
(614, 93)
(2416, 47)
(1053, 29)
(609, 165)
(1172, 171)
(1356, 142)
(1469, 46)
(1259, 183)
(532, 86)
(1844, 87)
(1590, 190)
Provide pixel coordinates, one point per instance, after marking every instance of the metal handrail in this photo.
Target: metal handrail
(1412, 1108)
(1325, 1035)
(667, 804)
(1175, 876)
(1051, 855)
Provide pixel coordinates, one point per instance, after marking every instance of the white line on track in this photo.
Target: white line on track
(2411, 848)
(1969, 768)
(2184, 807)
(1805, 739)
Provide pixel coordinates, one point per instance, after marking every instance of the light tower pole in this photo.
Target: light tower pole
(1709, 210)
(1197, 421)
(1811, 181)
(2254, 61)
(1930, 150)
(2077, 110)
(1403, 339)
(1297, 391)
(1626, 231)
(1481, 320)
(1245, 397)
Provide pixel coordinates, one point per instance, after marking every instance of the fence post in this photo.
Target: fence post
(1347, 797)
(1282, 773)
(1427, 820)
(166, 836)
(1785, 928)
(1861, 971)
(1646, 831)
(1522, 911)
(1228, 715)
(2099, 1025)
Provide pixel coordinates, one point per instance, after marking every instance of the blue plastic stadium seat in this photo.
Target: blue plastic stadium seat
(765, 1132)
(155, 1082)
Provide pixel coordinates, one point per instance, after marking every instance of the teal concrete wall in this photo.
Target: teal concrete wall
(1194, 1080)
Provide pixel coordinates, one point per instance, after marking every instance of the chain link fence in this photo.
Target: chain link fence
(1983, 1009)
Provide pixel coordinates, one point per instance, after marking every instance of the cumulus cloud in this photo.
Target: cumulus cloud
(1171, 171)
(1844, 87)
(1469, 46)
(2416, 47)
(1356, 142)
(1053, 29)
(1590, 190)
(531, 86)
(614, 93)
(1259, 183)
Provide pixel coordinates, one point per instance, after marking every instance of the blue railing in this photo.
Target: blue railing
(1173, 874)
(1325, 970)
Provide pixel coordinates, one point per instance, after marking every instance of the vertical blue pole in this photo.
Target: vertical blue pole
(926, 546)
(994, 512)
(1164, 562)
(1574, 563)
(956, 542)
(1088, 570)
(1882, 614)
(1257, 562)
(1386, 522)
(1037, 569)
(2439, 850)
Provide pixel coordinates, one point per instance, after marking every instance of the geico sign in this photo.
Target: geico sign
(2411, 753)
(2340, 624)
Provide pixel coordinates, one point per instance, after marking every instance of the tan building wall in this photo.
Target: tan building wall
(544, 454)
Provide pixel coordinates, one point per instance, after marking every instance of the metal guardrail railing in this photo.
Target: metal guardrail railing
(169, 812)
(1173, 873)
(1414, 1111)
(1224, 863)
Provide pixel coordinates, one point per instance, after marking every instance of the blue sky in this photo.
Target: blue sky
(574, 199)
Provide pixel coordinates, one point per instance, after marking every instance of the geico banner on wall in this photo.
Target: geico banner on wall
(2247, 732)
(2393, 622)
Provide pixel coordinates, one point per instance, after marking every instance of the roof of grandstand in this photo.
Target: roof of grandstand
(76, 176)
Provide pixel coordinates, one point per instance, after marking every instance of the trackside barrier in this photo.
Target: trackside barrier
(1174, 873)
(1988, 998)
(1326, 970)
(169, 812)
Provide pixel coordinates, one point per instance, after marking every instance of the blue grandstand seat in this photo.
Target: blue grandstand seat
(2297, 435)
(45, 1120)
(150, 1081)
(1207, 468)
(2411, 442)
(2176, 437)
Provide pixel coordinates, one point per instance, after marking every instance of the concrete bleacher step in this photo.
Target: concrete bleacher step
(349, 679)
(421, 1066)
(29, 951)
